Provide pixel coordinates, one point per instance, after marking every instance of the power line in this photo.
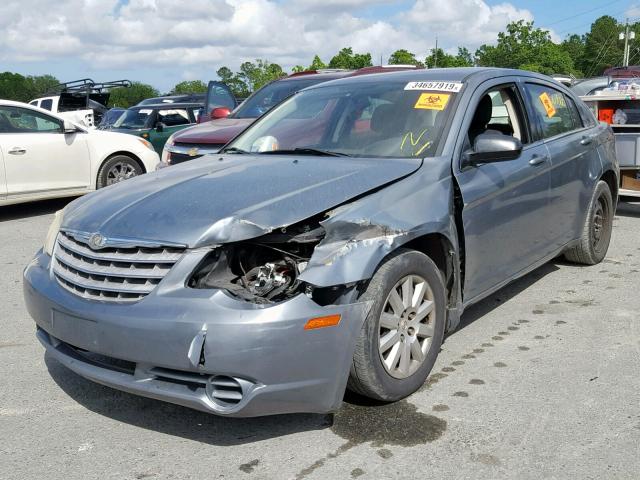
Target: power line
(601, 54)
(583, 13)
(575, 27)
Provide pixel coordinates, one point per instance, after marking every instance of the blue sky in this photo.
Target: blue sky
(162, 42)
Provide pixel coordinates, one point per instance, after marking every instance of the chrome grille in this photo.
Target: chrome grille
(111, 274)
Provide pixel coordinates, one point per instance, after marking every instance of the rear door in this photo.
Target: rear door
(38, 156)
(574, 158)
(505, 204)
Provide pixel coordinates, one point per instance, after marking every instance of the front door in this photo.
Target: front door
(38, 155)
(168, 121)
(505, 204)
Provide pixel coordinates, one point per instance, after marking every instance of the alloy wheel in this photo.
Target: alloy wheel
(406, 326)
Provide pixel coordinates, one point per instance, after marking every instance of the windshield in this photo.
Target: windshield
(134, 118)
(272, 94)
(381, 119)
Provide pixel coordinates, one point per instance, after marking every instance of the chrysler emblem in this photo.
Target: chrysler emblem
(97, 241)
(192, 152)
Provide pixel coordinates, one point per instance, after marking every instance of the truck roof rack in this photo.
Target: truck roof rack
(87, 85)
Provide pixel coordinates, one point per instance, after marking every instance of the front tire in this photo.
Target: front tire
(117, 169)
(596, 233)
(402, 334)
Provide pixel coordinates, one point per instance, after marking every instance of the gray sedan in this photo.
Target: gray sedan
(330, 246)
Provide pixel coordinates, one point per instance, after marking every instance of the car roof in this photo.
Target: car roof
(327, 75)
(474, 75)
(166, 105)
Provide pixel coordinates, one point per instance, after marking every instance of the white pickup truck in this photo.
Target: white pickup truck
(81, 101)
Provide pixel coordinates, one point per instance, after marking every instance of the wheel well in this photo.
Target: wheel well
(438, 248)
(611, 180)
(433, 245)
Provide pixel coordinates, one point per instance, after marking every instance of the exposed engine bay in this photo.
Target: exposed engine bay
(264, 269)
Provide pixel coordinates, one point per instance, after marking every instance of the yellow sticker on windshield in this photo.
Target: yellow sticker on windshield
(547, 104)
(432, 101)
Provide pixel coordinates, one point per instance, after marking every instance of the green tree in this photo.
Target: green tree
(465, 58)
(317, 64)
(14, 86)
(602, 49)
(234, 81)
(126, 97)
(403, 57)
(441, 59)
(260, 73)
(345, 58)
(298, 68)
(524, 46)
(189, 86)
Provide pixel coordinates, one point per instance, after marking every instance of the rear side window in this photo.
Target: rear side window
(46, 104)
(555, 113)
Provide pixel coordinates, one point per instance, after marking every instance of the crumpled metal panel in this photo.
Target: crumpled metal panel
(360, 234)
(207, 201)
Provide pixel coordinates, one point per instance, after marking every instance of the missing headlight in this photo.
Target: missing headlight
(262, 270)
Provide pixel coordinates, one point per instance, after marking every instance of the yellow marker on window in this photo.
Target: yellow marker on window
(547, 104)
(432, 101)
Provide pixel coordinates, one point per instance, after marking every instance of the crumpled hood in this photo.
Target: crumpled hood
(217, 199)
(214, 131)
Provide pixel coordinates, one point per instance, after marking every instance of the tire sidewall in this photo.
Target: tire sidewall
(108, 163)
(404, 263)
(602, 191)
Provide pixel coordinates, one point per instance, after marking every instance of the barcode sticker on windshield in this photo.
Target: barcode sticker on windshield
(454, 87)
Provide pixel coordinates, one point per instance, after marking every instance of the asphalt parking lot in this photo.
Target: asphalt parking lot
(541, 381)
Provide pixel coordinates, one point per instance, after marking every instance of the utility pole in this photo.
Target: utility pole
(435, 55)
(626, 36)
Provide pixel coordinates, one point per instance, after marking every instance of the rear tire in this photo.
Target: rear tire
(399, 343)
(596, 233)
(117, 169)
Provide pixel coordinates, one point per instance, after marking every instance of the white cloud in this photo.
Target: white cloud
(202, 35)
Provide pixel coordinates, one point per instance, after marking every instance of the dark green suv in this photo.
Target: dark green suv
(157, 122)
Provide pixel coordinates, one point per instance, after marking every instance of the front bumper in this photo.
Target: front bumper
(178, 343)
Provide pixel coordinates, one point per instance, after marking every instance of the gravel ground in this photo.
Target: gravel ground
(541, 381)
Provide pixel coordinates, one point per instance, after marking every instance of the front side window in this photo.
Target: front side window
(551, 109)
(499, 111)
(173, 117)
(372, 119)
(22, 120)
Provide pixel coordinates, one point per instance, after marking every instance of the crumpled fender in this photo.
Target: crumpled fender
(361, 234)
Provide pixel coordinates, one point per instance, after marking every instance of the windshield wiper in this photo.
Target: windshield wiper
(234, 150)
(307, 151)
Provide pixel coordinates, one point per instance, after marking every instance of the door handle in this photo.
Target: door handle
(17, 151)
(586, 140)
(538, 160)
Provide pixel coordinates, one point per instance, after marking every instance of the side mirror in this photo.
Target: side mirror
(220, 112)
(493, 147)
(160, 127)
(69, 127)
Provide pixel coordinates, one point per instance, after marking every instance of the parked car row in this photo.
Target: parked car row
(331, 244)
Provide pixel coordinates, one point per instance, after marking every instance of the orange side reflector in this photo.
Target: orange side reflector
(322, 322)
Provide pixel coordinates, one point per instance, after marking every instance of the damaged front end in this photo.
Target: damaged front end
(266, 270)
